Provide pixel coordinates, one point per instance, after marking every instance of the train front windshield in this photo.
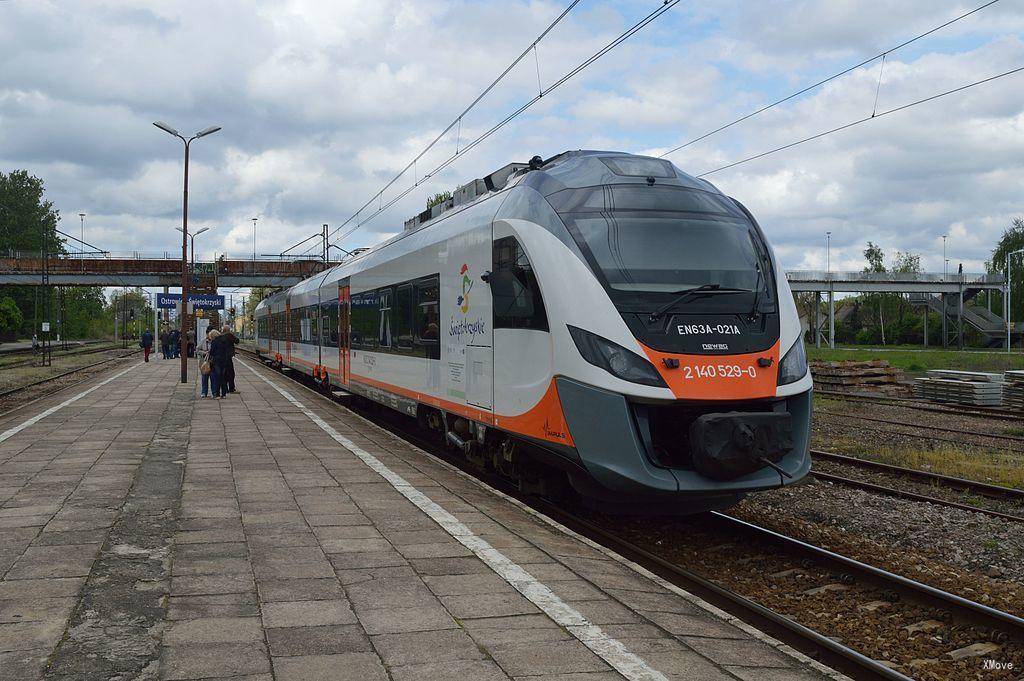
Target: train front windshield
(642, 240)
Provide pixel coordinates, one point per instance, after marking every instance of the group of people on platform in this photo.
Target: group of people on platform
(215, 353)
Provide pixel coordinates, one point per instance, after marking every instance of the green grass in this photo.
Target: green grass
(985, 465)
(918, 360)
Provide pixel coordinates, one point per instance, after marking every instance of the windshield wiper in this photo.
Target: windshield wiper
(686, 293)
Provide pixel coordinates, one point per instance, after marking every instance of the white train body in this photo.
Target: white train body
(545, 307)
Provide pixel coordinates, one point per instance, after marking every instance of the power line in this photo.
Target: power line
(880, 55)
(863, 120)
(457, 121)
(652, 16)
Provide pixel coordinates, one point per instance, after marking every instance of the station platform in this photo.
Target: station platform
(149, 534)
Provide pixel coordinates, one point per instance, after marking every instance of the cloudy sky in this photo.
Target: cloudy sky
(322, 101)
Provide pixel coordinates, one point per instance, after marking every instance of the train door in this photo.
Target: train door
(343, 332)
(470, 339)
(288, 329)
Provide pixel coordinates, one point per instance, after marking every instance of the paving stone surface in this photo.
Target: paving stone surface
(149, 534)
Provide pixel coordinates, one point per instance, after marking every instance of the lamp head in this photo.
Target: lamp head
(208, 131)
(204, 229)
(166, 128)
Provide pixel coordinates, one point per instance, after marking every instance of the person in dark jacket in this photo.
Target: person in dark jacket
(220, 357)
(165, 343)
(147, 343)
(229, 374)
(175, 339)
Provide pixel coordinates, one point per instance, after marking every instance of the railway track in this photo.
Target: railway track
(914, 403)
(9, 393)
(58, 355)
(966, 619)
(1013, 498)
(1012, 443)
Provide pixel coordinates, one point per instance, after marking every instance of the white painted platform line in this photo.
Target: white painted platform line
(607, 648)
(39, 417)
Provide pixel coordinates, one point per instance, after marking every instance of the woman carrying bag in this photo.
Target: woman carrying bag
(205, 370)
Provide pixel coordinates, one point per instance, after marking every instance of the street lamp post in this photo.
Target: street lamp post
(184, 234)
(81, 218)
(192, 238)
(254, 238)
(828, 252)
(1009, 325)
(945, 262)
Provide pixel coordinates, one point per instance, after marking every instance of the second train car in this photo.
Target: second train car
(598, 318)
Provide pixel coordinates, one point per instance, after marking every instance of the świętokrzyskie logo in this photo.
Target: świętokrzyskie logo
(467, 285)
(464, 327)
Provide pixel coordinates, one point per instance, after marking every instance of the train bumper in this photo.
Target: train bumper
(613, 441)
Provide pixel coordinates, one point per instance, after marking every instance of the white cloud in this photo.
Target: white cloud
(322, 103)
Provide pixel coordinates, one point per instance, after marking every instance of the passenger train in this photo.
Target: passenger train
(598, 320)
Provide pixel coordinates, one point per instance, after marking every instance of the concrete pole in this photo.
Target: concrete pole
(831, 317)
(960, 317)
(945, 335)
(817, 319)
(927, 312)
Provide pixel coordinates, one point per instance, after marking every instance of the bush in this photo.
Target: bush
(11, 318)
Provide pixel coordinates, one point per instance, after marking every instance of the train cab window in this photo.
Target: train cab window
(402, 317)
(427, 316)
(384, 318)
(517, 300)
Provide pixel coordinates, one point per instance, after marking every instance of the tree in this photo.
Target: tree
(1012, 239)
(875, 257)
(130, 310)
(26, 219)
(11, 318)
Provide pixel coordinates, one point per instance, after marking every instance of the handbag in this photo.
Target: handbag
(205, 367)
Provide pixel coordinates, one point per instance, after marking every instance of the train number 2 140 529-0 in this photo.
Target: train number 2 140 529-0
(718, 371)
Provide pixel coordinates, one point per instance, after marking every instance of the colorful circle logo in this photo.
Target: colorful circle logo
(467, 285)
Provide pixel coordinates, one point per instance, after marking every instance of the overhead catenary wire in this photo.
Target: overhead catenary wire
(873, 116)
(880, 55)
(457, 121)
(622, 37)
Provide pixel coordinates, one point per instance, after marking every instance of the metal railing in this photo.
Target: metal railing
(895, 277)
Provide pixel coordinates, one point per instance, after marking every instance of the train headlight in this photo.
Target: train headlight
(793, 366)
(615, 359)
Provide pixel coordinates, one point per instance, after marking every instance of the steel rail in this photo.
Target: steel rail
(978, 613)
(57, 355)
(912, 496)
(955, 431)
(982, 488)
(17, 389)
(909, 403)
(804, 639)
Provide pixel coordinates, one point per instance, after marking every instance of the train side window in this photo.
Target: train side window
(313, 312)
(402, 317)
(517, 300)
(384, 318)
(305, 326)
(428, 316)
(364, 320)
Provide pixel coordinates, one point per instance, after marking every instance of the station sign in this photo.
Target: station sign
(206, 302)
(169, 301)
